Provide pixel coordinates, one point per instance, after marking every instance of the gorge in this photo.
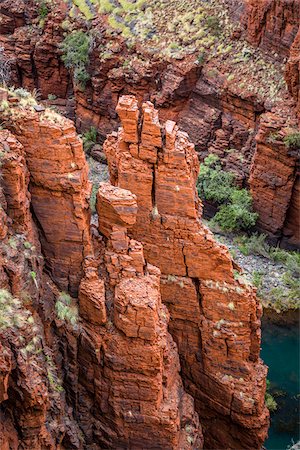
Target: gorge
(132, 327)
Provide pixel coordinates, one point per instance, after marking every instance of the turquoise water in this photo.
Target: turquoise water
(280, 351)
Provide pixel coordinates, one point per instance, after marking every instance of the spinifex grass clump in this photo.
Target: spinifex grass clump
(89, 138)
(287, 294)
(292, 140)
(12, 312)
(66, 311)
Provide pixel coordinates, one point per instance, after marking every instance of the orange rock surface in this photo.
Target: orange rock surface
(273, 174)
(215, 319)
(59, 190)
(137, 388)
(111, 379)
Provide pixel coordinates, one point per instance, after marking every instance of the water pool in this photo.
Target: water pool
(280, 351)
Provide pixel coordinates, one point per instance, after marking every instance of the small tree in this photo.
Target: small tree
(76, 48)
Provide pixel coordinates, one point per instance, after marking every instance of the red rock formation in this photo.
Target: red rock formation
(291, 230)
(59, 190)
(136, 387)
(15, 181)
(272, 24)
(215, 319)
(218, 117)
(119, 366)
(273, 173)
(292, 71)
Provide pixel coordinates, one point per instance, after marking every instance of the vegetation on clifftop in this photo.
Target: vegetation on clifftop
(199, 28)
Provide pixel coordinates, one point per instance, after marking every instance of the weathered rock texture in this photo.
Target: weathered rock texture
(215, 319)
(220, 116)
(111, 380)
(292, 71)
(59, 189)
(291, 229)
(130, 366)
(272, 177)
(27, 404)
(272, 24)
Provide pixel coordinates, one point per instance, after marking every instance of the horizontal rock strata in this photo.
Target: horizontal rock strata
(215, 318)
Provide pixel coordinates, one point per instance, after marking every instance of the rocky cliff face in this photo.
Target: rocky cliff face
(218, 101)
(272, 24)
(273, 173)
(113, 378)
(100, 369)
(214, 317)
(59, 191)
(292, 72)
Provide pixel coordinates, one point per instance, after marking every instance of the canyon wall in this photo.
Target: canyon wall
(220, 114)
(59, 189)
(292, 72)
(273, 175)
(111, 375)
(272, 24)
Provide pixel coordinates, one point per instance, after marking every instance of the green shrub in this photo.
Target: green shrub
(292, 263)
(271, 403)
(292, 140)
(214, 184)
(257, 279)
(43, 10)
(255, 244)
(76, 48)
(12, 312)
(213, 24)
(89, 138)
(237, 214)
(201, 58)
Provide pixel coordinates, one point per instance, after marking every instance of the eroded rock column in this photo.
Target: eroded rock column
(215, 316)
(132, 362)
(59, 189)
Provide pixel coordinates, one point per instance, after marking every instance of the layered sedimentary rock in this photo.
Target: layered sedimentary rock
(272, 24)
(291, 230)
(273, 174)
(31, 397)
(215, 318)
(216, 103)
(15, 177)
(111, 379)
(292, 71)
(130, 364)
(59, 189)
